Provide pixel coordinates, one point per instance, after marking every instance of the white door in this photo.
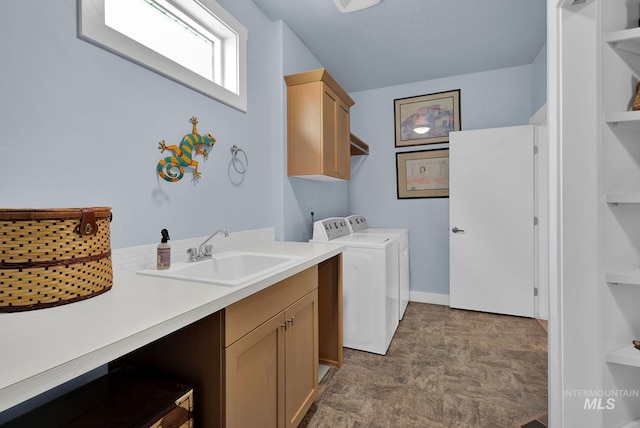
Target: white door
(491, 220)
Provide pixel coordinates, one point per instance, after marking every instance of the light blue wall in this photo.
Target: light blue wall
(80, 126)
(301, 196)
(490, 99)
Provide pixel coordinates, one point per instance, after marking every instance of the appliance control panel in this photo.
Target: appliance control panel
(330, 229)
(357, 223)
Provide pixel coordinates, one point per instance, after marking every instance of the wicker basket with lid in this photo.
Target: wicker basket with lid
(50, 257)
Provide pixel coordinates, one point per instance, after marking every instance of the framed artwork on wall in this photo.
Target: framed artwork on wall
(423, 174)
(426, 119)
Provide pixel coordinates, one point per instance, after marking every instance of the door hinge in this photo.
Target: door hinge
(535, 150)
(535, 291)
(535, 221)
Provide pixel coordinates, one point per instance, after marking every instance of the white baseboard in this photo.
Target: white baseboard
(433, 298)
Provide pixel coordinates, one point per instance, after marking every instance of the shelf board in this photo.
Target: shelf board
(569, 3)
(623, 198)
(624, 118)
(627, 355)
(626, 40)
(358, 147)
(631, 276)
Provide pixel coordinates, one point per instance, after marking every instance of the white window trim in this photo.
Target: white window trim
(92, 28)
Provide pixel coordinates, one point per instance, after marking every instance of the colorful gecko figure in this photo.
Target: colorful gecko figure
(183, 154)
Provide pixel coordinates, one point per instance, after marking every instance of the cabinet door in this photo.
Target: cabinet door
(304, 129)
(254, 373)
(301, 357)
(335, 134)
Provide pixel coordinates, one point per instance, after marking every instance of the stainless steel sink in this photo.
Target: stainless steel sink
(230, 268)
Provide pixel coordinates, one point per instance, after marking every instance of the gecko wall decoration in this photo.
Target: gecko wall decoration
(183, 154)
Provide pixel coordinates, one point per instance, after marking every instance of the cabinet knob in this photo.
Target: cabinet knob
(291, 321)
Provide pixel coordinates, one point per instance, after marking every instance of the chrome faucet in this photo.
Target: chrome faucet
(204, 251)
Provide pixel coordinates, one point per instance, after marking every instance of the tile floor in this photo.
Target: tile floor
(445, 368)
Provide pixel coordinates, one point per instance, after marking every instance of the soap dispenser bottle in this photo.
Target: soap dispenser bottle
(164, 251)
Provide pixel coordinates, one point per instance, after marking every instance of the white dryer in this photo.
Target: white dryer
(358, 225)
(369, 285)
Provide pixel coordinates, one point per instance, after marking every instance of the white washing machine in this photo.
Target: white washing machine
(358, 225)
(369, 285)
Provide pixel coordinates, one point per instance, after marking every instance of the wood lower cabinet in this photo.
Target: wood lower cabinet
(271, 374)
(191, 354)
(254, 377)
(301, 358)
(255, 363)
(330, 312)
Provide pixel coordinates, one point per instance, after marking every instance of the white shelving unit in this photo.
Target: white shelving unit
(619, 63)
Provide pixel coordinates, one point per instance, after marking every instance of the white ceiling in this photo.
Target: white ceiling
(404, 41)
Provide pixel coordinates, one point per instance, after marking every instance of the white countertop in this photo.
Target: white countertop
(44, 348)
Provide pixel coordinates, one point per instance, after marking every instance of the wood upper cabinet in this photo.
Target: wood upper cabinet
(318, 130)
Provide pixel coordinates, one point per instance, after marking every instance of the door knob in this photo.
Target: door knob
(456, 230)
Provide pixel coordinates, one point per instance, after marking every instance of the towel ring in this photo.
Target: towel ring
(234, 154)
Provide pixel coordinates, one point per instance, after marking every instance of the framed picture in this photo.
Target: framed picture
(427, 119)
(423, 174)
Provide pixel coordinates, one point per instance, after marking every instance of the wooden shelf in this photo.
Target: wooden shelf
(623, 198)
(631, 276)
(627, 355)
(358, 147)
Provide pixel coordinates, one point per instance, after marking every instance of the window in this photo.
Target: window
(196, 43)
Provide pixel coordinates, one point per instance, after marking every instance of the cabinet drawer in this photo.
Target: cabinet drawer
(247, 314)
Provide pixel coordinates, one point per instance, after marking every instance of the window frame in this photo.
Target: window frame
(92, 28)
